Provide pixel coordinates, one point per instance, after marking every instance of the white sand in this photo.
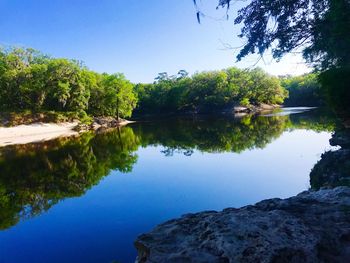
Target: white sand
(37, 132)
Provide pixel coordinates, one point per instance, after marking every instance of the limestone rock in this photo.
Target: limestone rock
(313, 226)
(332, 170)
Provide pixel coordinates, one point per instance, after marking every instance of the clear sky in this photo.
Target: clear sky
(135, 37)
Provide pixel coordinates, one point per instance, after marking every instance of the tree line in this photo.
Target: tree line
(304, 90)
(209, 91)
(30, 80)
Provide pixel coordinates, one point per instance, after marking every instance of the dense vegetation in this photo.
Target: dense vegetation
(32, 83)
(30, 80)
(303, 90)
(320, 28)
(209, 91)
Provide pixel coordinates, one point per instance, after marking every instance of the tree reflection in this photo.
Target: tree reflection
(34, 177)
(225, 134)
(213, 134)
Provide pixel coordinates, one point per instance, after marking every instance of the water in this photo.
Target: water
(87, 199)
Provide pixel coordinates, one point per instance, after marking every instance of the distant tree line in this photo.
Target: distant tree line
(304, 90)
(209, 91)
(30, 80)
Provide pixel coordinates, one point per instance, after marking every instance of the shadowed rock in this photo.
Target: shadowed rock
(313, 226)
(333, 169)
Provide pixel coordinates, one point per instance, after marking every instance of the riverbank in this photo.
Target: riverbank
(235, 110)
(35, 132)
(260, 108)
(28, 127)
(38, 132)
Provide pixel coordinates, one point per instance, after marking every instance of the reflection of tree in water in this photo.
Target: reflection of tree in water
(36, 176)
(184, 135)
(316, 120)
(211, 135)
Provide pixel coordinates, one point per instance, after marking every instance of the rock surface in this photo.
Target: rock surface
(313, 226)
(332, 170)
(108, 122)
(341, 138)
(102, 123)
(254, 108)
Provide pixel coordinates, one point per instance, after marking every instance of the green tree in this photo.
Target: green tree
(119, 97)
(319, 27)
(303, 90)
(211, 91)
(30, 80)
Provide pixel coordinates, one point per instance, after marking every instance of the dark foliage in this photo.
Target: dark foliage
(320, 28)
(303, 90)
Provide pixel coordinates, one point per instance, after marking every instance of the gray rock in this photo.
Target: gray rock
(313, 226)
(105, 122)
(333, 169)
(341, 138)
(240, 109)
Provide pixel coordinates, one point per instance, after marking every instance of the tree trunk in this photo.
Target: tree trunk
(118, 109)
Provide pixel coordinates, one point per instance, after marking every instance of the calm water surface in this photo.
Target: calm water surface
(87, 199)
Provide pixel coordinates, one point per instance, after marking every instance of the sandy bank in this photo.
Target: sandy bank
(23, 134)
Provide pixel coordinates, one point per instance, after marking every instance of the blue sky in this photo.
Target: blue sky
(137, 38)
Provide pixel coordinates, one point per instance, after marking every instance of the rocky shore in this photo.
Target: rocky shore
(253, 108)
(313, 226)
(333, 169)
(102, 123)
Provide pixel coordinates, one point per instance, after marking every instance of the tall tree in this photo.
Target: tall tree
(120, 96)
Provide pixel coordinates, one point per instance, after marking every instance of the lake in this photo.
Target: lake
(86, 199)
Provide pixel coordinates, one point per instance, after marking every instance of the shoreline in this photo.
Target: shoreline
(45, 131)
(36, 132)
(41, 131)
(238, 111)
